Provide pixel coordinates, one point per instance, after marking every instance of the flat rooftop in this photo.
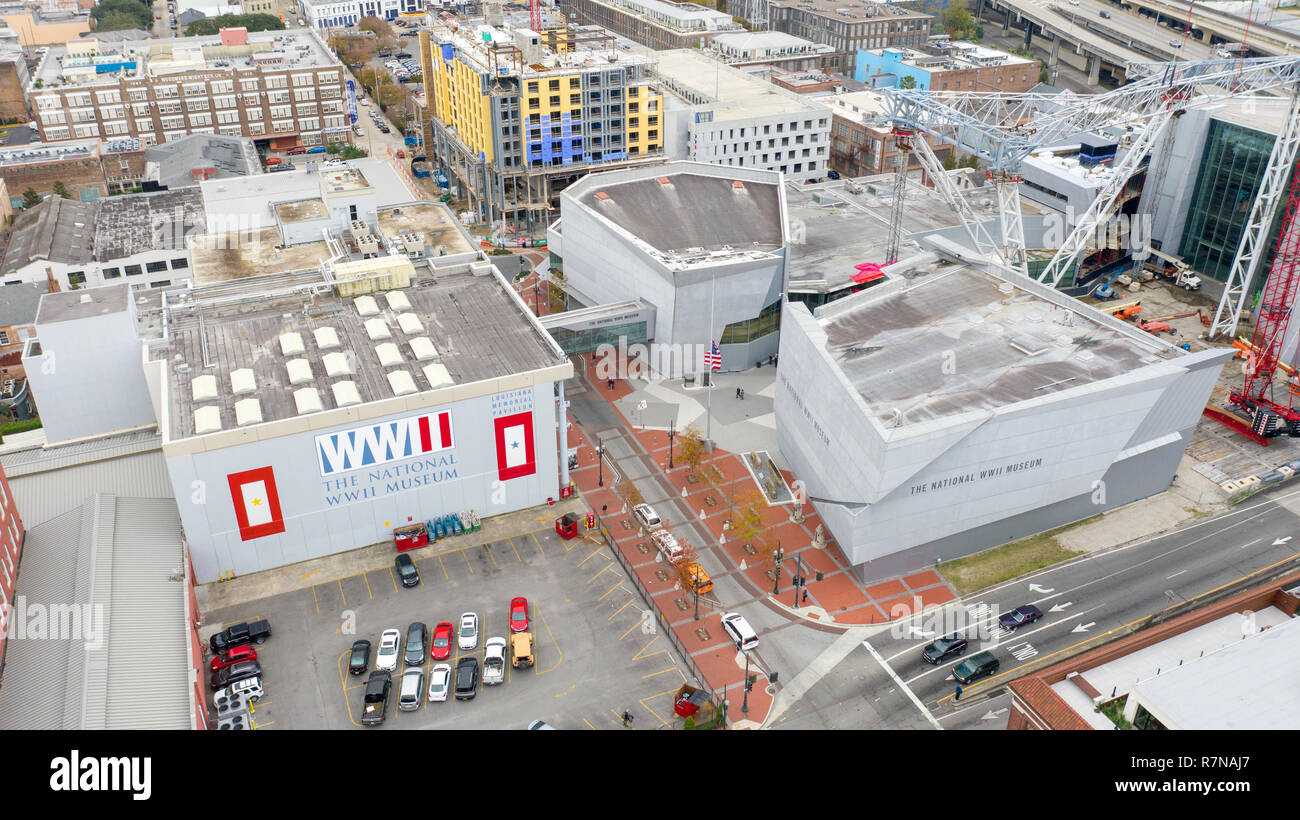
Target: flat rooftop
(1014, 343)
(67, 306)
(477, 53)
(431, 220)
(743, 95)
(693, 211)
(850, 13)
(127, 225)
(476, 325)
(304, 210)
(228, 257)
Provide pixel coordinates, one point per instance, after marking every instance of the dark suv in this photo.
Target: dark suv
(406, 571)
(946, 647)
(466, 678)
(975, 667)
(417, 639)
(255, 632)
(230, 674)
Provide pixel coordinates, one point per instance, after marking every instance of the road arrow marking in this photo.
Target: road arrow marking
(1060, 607)
(1037, 588)
(1084, 627)
(1277, 541)
(993, 715)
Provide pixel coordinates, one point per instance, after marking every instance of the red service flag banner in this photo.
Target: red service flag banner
(257, 503)
(515, 454)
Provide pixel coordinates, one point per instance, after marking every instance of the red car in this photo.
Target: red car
(301, 149)
(401, 155)
(442, 635)
(519, 615)
(232, 656)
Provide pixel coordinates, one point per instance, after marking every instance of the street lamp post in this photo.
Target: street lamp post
(744, 706)
(777, 580)
(600, 460)
(671, 436)
(695, 584)
(798, 579)
(536, 297)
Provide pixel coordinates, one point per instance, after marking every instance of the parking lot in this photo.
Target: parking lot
(596, 651)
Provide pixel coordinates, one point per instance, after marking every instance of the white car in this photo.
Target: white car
(739, 630)
(390, 645)
(647, 516)
(334, 163)
(439, 682)
(494, 661)
(468, 638)
(364, 101)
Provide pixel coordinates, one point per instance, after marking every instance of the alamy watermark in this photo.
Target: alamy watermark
(24, 621)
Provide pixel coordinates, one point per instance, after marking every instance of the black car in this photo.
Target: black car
(359, 661)
(253, 632)
(230, 674)
(975, 667)
(832, 174)
(944, 648)
(1105, 15)
(403, 55)
(1019, 616)
(406, 571)
(385, 129)
(417, 639)
(466, 678)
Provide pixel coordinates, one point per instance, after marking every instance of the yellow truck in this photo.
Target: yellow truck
(521, 649)
(693, 576)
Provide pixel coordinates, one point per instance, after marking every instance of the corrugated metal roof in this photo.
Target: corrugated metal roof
(114, 559)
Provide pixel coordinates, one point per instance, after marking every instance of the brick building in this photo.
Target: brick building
(281, 87)
(1222, 665)
(659, 25)
(944, 65)
(846, 29)
(88, 168)
(784, 52)
(11, 551)
(861, 141)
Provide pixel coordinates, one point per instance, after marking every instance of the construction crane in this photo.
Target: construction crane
(1002, 129)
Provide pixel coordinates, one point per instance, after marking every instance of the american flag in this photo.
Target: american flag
(713, 359)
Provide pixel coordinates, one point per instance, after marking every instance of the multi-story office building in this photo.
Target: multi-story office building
(654, 23)
(784, 52)
(284, 87)
(849, 28)
(514, 123)
(862, 143)
(948, 66)
(326, 14)
(725, 116)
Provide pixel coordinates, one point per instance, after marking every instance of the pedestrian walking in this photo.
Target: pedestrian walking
(957, 695)
(604, 508)
(737, 392)
(742, 394)
(805, 595)
(611, 384)
(627, 718)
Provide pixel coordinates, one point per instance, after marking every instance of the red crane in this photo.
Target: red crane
(1269, 418)
(535, 15)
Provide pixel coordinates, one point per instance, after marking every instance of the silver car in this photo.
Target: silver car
(468, 631)
(412, 685)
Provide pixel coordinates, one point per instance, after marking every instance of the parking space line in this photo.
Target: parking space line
(660, 672)
(644, 615)
(314, 598)
(611, 589)
(488, 549)
(341, 595)
(538, 543)
(554, 643)
(392, 578)
(445, 576)
(597, 575)
(369, 592)
(589, 726)
(638, 656)
(257, 725)
(516, 549)
(652, 711)
(594, 553)
(629, 603)
(343, 687)
(465, 555)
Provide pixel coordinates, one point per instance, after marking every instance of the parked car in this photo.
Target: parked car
(735, 625)
(232, 656)
(412, 688)
(375, 701)
(273, 160)
(250, 688)
(832, 174)
(1019, 616)
(442, 634)
(944, 648)
(237, 672)
(647, 516)
(403, 54)
(439, 682)
(384, 128)
(417, 635)
(295, 151)
(319, 149)
(389, 644)
(540, 724)
(253, 632)
(401, 155)
(468, 631)
(284, 166)
(406, 569)
(519, 615)
(359, 659)
(466, 678)
(494, 661)
(1105, 14)
(975, 667)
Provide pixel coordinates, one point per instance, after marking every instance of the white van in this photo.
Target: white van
(250, 688)
(647, 516)
(740, 631)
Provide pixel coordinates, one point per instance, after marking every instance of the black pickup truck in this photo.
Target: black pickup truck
(375, 705)
(255, 632)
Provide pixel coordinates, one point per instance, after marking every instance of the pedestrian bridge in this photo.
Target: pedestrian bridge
(619, 324)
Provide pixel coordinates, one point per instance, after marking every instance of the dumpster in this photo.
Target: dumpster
(411, 536)
(689, 700)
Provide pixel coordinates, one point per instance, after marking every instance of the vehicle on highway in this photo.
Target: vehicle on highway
(944, 648)
(1175, 44)
(236, 672)
(1105, 14)
(519, 615)
(406, 569)
(466, 678)
(468, 631)
(1019, 616)
(439, 682)
(647, 516)
(441, 642)
(417, 635)
(975, 667)
(412, 687)
(390, 642)
(232, 656)
(735, 625)
(494, 661)
(359, 659)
